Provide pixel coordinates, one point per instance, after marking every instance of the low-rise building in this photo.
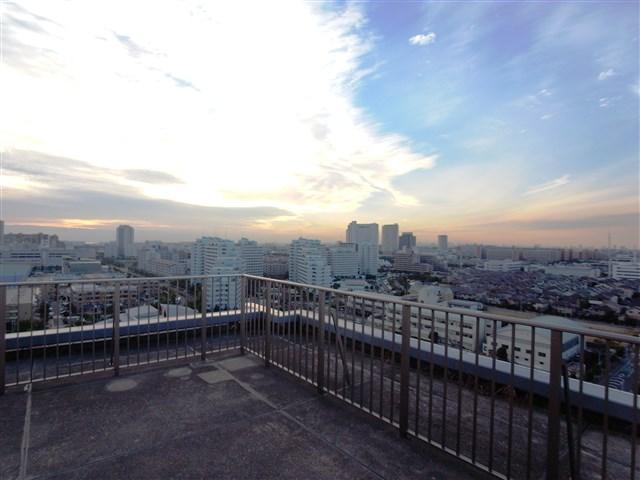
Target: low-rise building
(520, 338)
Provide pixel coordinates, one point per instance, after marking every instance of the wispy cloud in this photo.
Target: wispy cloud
(422, 39)
(606, 74)
(550, 185)
(237, 139)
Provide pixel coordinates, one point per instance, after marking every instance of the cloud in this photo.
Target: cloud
(550, 185)
(132, 47)
(100, 211)
(60, 173)
(226, 115)
(180, 82)
(606, 74)
(422, 39)
(150, 176)
(547, 116)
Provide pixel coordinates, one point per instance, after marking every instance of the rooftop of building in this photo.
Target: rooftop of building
(228, 417)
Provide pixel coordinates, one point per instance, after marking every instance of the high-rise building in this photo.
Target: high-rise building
(390, 235)
(407, 241)
(308, 263)
(366, 238)
(625, 270)
(252, 256)
(276, 265)
(443, 242)
(409, 261)
(124, 241)
(216, 256)
(344, 260)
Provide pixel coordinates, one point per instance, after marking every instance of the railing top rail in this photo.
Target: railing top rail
(529, 322)
(114, 279)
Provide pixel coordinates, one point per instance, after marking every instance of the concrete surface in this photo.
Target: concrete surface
(229, 417)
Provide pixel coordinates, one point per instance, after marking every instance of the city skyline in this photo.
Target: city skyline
(469, 122)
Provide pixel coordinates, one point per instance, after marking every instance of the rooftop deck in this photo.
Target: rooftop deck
(228, 417)
(355, 387)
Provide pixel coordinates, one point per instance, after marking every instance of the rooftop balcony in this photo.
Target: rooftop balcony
(248, 377)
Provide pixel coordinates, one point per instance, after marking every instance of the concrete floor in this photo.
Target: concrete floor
(227, 418)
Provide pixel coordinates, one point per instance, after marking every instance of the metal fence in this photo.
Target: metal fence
(517, 398)
(497, 392)
(52, 330)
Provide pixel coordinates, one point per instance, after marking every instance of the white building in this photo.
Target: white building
(124, 241)
(503, 266)
(390, 234)
(354, 285)
(37, 257)
(452, 328)
(625, 270)
(308, 263)
(344, 260)
(366, 237)
(276, 265)
(573, 270)
(522, 353)
(216, 256)
(21, 306)
(110, 250)
(252, 256)
(434, 294)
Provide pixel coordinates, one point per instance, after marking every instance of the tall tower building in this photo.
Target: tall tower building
(443, 242)
(407, 241)
(124, 241)
(308, 263)
(390, 238)
(252, 256)
(366, 238)
(218, 257)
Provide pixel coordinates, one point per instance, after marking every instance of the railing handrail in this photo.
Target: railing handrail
(593, 332)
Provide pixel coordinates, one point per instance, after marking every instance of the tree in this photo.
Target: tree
(502, 354)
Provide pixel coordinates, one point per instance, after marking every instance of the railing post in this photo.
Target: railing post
(321, 315)
(267, 326)
(405, 362)
(203, 320)
(3, 331)
(115, 338)
(555, 398)
(243, 314)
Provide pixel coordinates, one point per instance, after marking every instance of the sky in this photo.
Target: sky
(494, 122)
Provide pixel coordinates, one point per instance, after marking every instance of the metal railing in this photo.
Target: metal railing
(518, 398)
(51, 330)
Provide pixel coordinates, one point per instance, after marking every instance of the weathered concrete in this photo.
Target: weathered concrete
(226, 418)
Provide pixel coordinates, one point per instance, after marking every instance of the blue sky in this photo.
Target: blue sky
(495, 122)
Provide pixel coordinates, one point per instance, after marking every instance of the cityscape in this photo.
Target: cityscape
(320, 240)
(597, 288)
